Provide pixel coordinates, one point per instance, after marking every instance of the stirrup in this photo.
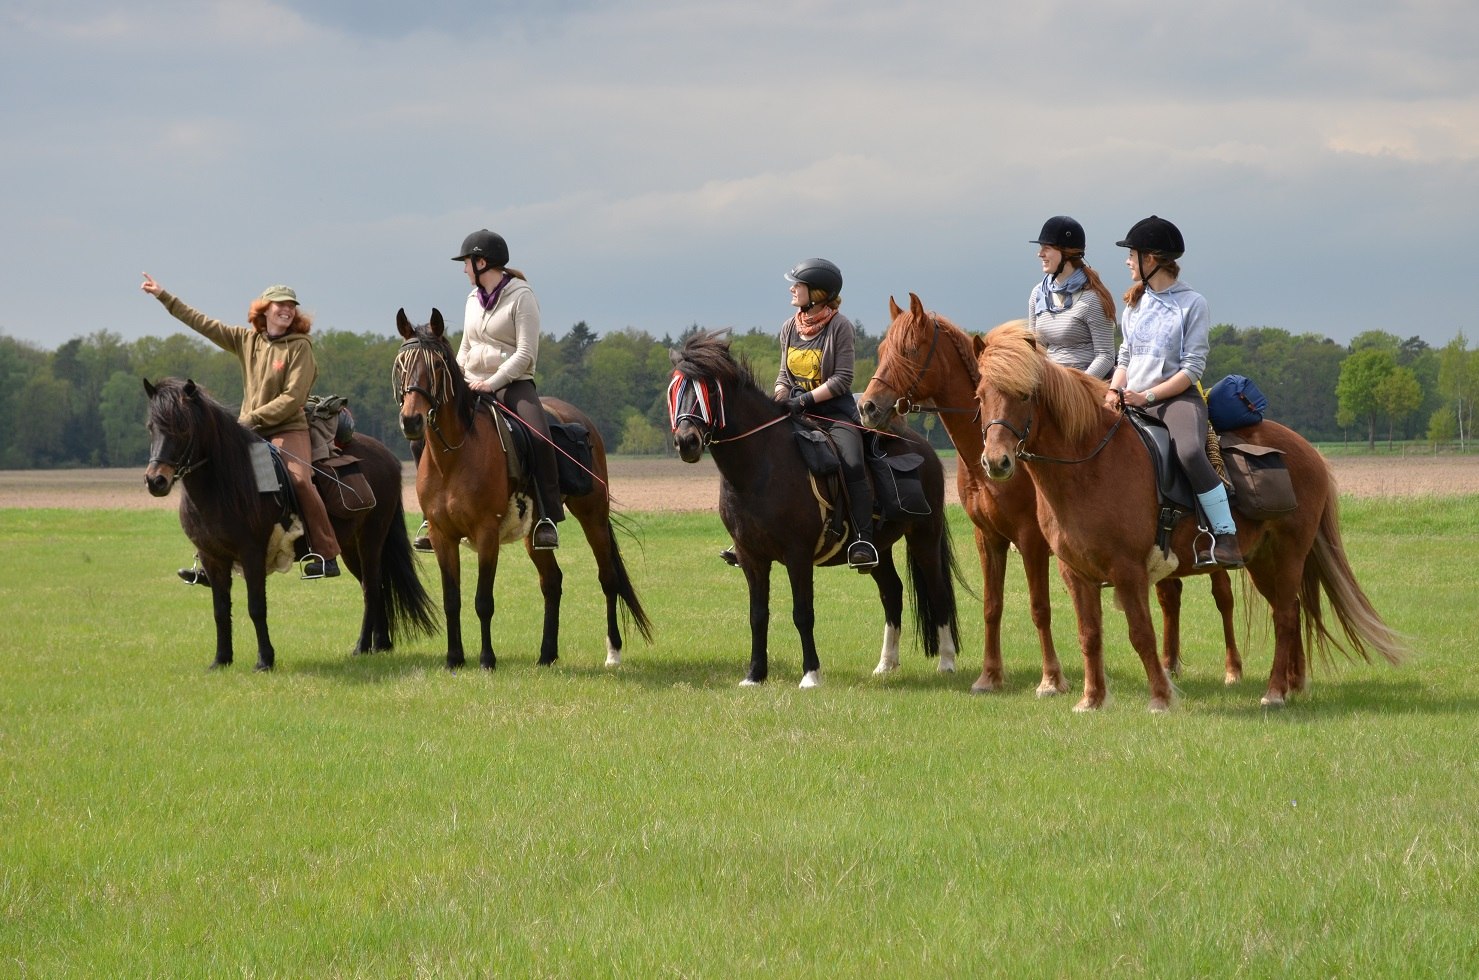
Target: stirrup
(865, 565)
(195, 574)
(1208, 558)
(544, 522)
(308, 560)
(730, 558)
(422, 540)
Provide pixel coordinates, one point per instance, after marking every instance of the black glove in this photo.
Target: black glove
(794, 405)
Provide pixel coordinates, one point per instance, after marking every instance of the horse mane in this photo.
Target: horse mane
(1015, 364)
(186, 410)
(706, 354)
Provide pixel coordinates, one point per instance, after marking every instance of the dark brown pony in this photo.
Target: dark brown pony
(462, 481)
(770, 506)
(926, 360)
(198, 443)
(1054, 420)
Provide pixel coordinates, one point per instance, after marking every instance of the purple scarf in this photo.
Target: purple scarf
(490, 299)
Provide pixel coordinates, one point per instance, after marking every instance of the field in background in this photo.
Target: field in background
(378, 816)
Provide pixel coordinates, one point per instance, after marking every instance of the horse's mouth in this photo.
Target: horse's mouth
(690, 447)
(413, 427)
(158, 483)
(874, 416)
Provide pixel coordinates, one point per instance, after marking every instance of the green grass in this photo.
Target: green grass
(377, 816)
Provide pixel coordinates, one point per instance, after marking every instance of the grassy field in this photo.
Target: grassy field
(377, 816)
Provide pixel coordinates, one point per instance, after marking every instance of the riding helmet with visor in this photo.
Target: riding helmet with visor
(1060, 232)
(818, 274)
(486, 245)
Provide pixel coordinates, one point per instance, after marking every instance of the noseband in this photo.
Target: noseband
(179, 471)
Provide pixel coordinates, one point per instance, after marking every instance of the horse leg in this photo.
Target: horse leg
(891, 594)
(992, 548)
(551, 582)
(757, 576)
(602, 541)
(483, 600)
(1168, 595)
(219, 575)
(255, 574)
(804, 617)
(1090, 614)
(1035, 554)
(449, 563)
(1132, 596)
(1222, 594)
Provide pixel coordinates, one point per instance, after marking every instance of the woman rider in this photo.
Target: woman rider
(1071, 310)
(1166, 329)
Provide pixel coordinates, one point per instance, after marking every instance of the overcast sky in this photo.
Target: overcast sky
(659, 163)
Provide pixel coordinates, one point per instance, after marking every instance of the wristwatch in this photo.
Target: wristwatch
(1150, 398)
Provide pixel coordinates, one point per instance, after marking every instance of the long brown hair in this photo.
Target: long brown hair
(1137, 288)
(1075, 258)
(257, 317)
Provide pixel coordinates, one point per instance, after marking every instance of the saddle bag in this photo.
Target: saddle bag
(1260, 481)
(817, 450)
(899, 485)
(573, 457)
(343, 486)
(1235, 402)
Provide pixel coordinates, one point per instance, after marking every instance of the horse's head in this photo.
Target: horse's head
(916, 357)
(704, 374)
(425, 375)
(1024, 396)
(174, 425)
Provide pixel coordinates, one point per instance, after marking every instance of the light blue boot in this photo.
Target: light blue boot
(1224, 550)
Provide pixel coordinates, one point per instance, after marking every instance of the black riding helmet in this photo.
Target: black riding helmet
(486, 245)
(1156, 237)
(818, 274)
(1061, 231)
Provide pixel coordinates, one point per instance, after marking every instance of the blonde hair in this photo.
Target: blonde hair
(817, 295)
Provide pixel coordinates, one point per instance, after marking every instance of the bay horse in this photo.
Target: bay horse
(1053, 420)
(926, 364)
(196, 442)
(463, 483)
(769, 504)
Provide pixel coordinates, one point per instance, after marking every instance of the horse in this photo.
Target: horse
(463, 483)
(198, 443)
(926, 364)
(771, 507)
(1053, 420)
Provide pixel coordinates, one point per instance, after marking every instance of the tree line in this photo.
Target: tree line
(84, 405)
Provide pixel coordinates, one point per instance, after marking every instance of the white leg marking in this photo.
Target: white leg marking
(888, 660)
(613, 655)
(947, 651)
(812, 678)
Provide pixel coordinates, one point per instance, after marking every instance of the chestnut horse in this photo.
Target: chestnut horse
(770, 505)
(462, 481)
(1053, 419)
(925, 358)
(197, 442)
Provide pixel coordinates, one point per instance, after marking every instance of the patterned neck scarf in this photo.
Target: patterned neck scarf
(1073, 284)
(809, 324)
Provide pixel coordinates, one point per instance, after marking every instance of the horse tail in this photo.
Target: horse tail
(931, 611)
(407, 605)
(624, 588)
(1327, 569)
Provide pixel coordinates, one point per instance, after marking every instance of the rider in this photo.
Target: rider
(500, 346)
(1166, 340)
(1078, 332)
(815, 378)
(278, 371)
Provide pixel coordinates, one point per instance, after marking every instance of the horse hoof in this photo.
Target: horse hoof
(986, 685)
(262, 668)
(613, 655)
(1087, 705)
(885, 667)
(1159, 706)
(810, 679)
(1231, 677)
(750, 682)
(946, 666)
(1271, 701)
(1051, 689)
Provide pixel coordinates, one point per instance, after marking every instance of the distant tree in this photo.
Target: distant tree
(1361, 375)
(1398, 395)
(123, 408)
(1458, 384)
(19, 362)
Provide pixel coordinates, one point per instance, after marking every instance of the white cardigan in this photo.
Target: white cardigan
(501, 345)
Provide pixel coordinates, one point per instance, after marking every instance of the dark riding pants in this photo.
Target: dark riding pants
(1185, 417)
(848, 438)
(521, 398)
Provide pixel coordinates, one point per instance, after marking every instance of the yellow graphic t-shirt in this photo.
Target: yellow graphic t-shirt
(805, 364)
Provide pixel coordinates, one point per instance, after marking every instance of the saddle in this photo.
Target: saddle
(574, 458)
(892, 470)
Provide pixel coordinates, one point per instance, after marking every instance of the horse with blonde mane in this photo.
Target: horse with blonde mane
(1052, 419)
(926, 364)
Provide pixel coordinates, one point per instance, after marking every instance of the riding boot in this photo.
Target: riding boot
(195, 575)
(422, 541)
(861, 554)
(1224, 550)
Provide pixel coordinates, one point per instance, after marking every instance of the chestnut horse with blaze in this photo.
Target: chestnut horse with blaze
(1053, 420)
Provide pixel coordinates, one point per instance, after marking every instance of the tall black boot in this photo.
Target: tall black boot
(861, 554)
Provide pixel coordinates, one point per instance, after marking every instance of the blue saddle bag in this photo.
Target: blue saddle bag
(1234, 403)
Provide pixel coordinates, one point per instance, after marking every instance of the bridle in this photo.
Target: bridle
(431, 358)
(179, 471)
(707, 413)
(1023, 453)
(906, 405)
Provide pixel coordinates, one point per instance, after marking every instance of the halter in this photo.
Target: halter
(431, 358)
(906, 405)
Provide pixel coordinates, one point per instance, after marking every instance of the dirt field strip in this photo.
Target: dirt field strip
(666, 484)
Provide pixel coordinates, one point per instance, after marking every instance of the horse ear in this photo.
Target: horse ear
(977, 345)
(438, 325)
(149, 389)
(191, 389)
(674, 356)
(403, 325)
(893, 309)
(915, 306)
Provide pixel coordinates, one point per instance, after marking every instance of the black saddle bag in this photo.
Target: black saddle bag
(573, 457)
(817, 450)
(899, 486)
